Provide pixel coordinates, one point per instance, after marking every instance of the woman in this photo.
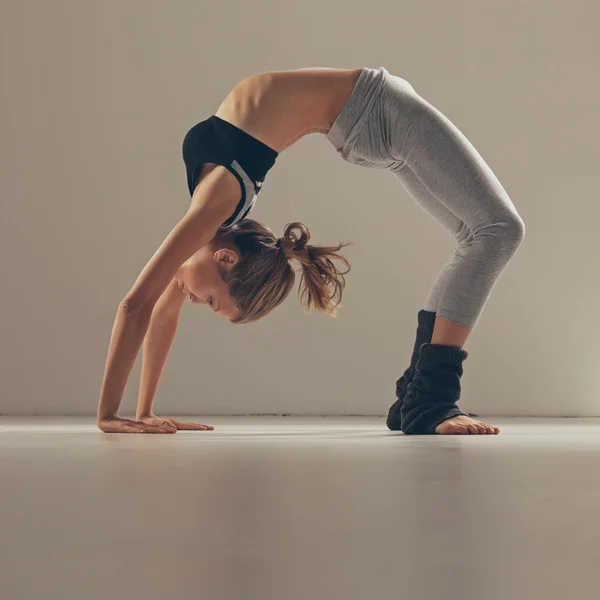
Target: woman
(216, 256)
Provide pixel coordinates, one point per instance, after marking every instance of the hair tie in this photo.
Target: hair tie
(287, 246)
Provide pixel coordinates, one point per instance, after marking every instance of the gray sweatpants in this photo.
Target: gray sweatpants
(385, 124)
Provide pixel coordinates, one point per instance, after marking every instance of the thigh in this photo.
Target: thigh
(443, 160)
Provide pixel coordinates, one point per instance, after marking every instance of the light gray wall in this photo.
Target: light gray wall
(96, 98)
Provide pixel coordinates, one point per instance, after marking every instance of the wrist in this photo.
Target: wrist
(105, 416)
(145, 415)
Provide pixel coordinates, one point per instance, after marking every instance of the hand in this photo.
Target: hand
(163, 422)
(116, 424)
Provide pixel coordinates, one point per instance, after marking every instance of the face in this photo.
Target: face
(199, 278)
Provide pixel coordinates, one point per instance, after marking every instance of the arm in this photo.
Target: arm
(214, 200)
(157, 343)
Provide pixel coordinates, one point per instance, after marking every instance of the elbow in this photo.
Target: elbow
(131, 305)
(127, 306)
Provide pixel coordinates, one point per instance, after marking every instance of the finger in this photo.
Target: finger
(193, 426)
(168, 430)
(145, 428)
(161, 423)
(166, 424)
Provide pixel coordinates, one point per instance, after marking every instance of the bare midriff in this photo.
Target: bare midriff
(280, 107)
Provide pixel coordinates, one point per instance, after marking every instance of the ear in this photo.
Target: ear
(227, 256)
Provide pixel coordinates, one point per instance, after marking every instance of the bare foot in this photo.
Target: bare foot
(465, 425)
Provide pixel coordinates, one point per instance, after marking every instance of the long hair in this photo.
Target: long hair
(263, 277)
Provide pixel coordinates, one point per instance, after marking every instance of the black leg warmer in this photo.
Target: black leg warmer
(432, 394)
(426, 322)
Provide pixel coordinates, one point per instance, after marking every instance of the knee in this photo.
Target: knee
(515, 229)
(507, 232)
(504, 234)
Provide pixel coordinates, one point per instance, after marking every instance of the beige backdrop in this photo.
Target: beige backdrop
(96, 98)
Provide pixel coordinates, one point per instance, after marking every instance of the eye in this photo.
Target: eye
(210, 300)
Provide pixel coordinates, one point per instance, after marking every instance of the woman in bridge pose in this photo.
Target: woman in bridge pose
(241, 270)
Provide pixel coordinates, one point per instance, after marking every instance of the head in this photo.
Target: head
(245, 272)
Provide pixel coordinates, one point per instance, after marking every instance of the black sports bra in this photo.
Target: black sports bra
(217, 141)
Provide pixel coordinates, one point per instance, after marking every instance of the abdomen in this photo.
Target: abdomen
(280, 107)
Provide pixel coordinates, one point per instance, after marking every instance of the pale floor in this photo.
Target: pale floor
(293, 508)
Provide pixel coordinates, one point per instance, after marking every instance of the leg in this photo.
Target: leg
(444, 332)
(439, 166)
(460, 181)
(403, 132)
(425, 325)
(448, 333)
(427, 316)
(451, 224)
